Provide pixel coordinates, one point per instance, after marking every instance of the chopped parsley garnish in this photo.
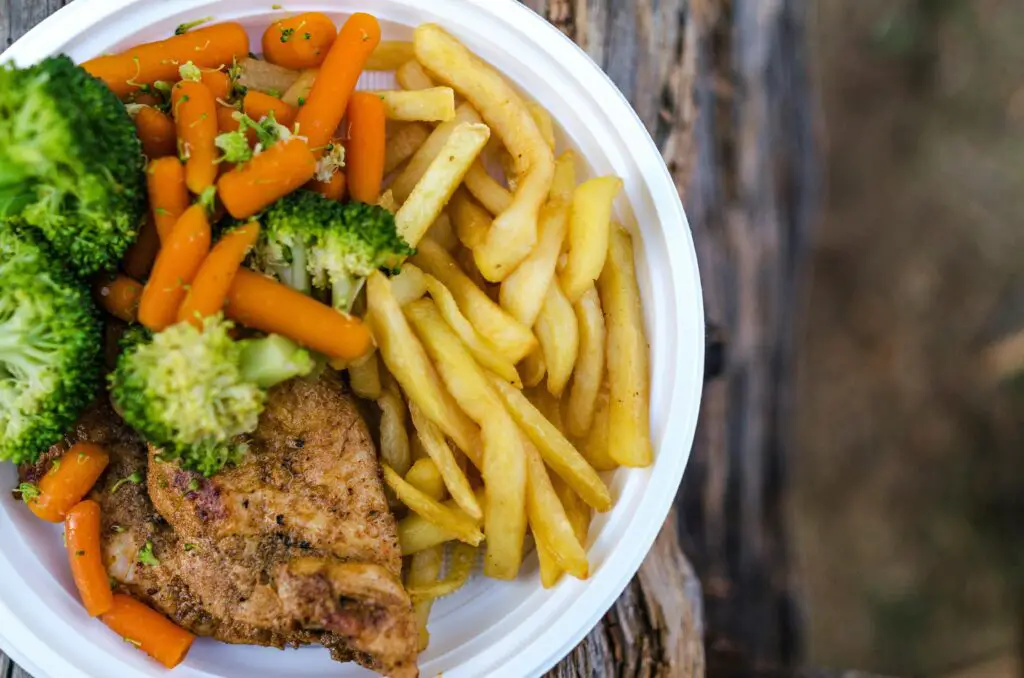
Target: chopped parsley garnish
(29, 492)
(117, 529)
(80, 553)
(307, 36)
(286, 34)
(193, 485)
(302, 101)
(56, 465)
(146, 556)
(134, 479)
(184, 28)
(275, 7)
(190, 547)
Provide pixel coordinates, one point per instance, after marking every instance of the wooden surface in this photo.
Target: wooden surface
(722, 87)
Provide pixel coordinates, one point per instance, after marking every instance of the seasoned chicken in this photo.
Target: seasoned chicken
(294, 546)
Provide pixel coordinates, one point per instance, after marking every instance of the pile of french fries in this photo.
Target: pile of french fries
(511, 364)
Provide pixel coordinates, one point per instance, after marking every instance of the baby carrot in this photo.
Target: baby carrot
(218, 82)
(142, 65)
(120, 298)
(258, 105)
(141, 253)
(176, 266)
(264, 304)
(325, 106)
(210, 287)
(364, 156)
(168, 195)
(68, 480)
(156, 132)
(300, 41)
(148, 630)
(274, 173)
(195, 115)
(334, 189)
(82, 534)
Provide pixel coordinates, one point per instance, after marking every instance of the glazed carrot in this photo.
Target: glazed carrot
(82, 534)
(272, 174)
(156, 132)
(261, 303)
(258, 105)
(142, 65)
(195, 116)
(210, 287)
(364, 156)
(142, 253)
(68, 480)
(148, 630)
(120, 298)
(299, 42)
(335, 189)
(176, 266)
(219, 84)
(168, 194)
(325, 106)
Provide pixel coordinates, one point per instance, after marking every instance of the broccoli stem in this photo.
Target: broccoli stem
(295, 275)
(344, 292)
(274, 359)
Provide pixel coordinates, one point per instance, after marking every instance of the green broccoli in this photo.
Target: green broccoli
(50, 347)
(192, 392)
(71, 164)
(311, 241)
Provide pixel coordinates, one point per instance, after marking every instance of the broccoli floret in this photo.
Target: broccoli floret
(71, 164)
(50, 347)
(192, 392)
(311, 241)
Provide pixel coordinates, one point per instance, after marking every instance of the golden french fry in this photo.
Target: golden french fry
(436, 104)
(471, 221)
(555, 448)
(515, 229)
(550, 572)
(523, 293)
(299, 91)
(442, 232)
(409, 285)
(416, 533)
(441, 179)
(416, 449)
(575, 509)
(424, 569)
(444, 461)
(364, 377)
(264, 76)
(411, 76)
(507, 334)
(485, 188)
(404, 144)
(629, 378)
(564, 183)
(426, 477)
(461, 525)
(387, 201)
(589, 230)
(460, 566)
(394, 438)
(481, 349)
(390, 55)
(548, 405)
(504, 461)
(430, 150)
(589, 372)
(596, 448)
(548, 519)
(545, 125)
(532, 369)
(559, 335)
(406, 359)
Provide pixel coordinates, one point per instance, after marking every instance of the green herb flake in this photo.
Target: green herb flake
(29, 492)
(117, 529)
(55, 467)
(134, 479)
(190, 547)
(302, 101)
(184, 28)
(80, 553)
(307, 36)
(286, 34)
(146, 556)
(276, 7)
(193, 485)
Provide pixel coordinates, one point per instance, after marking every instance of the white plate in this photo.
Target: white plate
(490, 628)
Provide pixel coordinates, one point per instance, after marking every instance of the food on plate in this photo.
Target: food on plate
(263, 239)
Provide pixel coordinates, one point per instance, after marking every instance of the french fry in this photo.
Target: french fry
(405, 357)
(471, 221)
(523, 293)
(589, 230)
(480, 348)
(559, 335)
(555, 448)
(394, 438)
(416, 449)
(460, 566)
(550, 572)
(409, 285)
(364, 377)
(508, 335)
(389, 55)
(515, 230)
(425, 155)
(416, 533)
(548, 519)
(545, 125)
(464, 528)
(564, 183)
(504, 460)
(629, 378)
(575, 509)
(440, 180)
(264, 76)
(589, 372)
(532, 369)
(436, 104)
(444, 461)
(424, 569)
(442, 232)
(596, 448)
(299, 91)
(405, 142)
(411, 76)
(548, 405)
(425, 477)
(485, 188)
